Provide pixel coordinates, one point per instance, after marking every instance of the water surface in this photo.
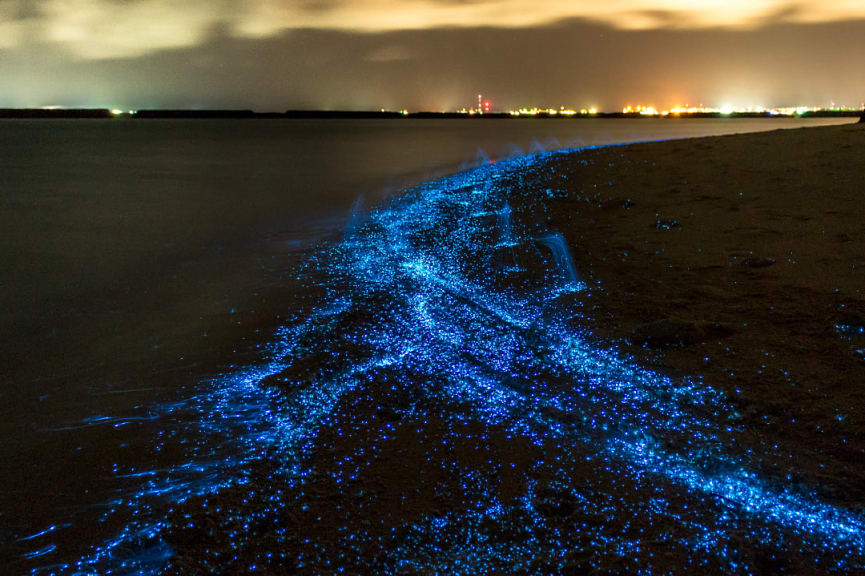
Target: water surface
(142, 258)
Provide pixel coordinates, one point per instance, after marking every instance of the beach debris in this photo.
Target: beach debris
(757, 262)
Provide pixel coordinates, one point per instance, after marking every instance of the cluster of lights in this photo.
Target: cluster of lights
(483, 107)
(727, 110)
(686, 109)
(562, 111)
(644, 110)
(459, 293)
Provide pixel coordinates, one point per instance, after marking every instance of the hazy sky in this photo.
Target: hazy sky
(430, 54)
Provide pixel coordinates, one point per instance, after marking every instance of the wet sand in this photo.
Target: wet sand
(734, 262)
(740, 259)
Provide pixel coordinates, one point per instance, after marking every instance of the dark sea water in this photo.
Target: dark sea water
(140, 259)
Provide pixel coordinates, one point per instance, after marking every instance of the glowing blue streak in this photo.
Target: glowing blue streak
(487, 334)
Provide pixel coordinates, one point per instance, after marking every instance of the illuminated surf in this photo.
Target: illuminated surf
(416, 291)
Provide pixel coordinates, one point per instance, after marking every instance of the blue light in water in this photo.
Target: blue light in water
(418, 288)
(562, 257)
(505, 227)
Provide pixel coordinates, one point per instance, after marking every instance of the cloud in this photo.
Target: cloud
(109, 29)
(106, 29)
(11, 24)
(576, 63)
(102, 29)
(386, 15)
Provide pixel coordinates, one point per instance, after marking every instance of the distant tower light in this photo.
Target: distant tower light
(480, 104)
(487, 105)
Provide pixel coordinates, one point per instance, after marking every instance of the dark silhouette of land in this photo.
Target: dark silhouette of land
(178, 114)
(55, 113)
(205, 114)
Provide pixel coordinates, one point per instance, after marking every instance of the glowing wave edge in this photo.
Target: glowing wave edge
(455, 295)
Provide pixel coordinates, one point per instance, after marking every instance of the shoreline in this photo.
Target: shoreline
(738, 259)
(699, 249)
(436, 427)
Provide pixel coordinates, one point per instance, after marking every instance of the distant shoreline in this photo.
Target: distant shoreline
(105, 114)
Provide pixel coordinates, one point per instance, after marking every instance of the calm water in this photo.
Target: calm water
(141, 258)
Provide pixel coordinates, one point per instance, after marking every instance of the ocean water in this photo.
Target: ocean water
(140, 260)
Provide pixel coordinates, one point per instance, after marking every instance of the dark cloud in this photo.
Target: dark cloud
(576, 63)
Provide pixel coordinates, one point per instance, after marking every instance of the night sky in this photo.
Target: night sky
(430, 54)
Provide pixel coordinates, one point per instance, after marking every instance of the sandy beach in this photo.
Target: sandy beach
(694, 405)
(740, 260)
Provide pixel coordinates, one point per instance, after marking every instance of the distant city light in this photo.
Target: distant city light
(725, 110)
(485, 106)
(561, 111)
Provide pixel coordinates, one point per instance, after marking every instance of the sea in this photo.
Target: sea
(143, 260)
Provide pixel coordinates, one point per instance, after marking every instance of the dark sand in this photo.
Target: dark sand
(750, 250)
(741, 259)
(734, 259)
